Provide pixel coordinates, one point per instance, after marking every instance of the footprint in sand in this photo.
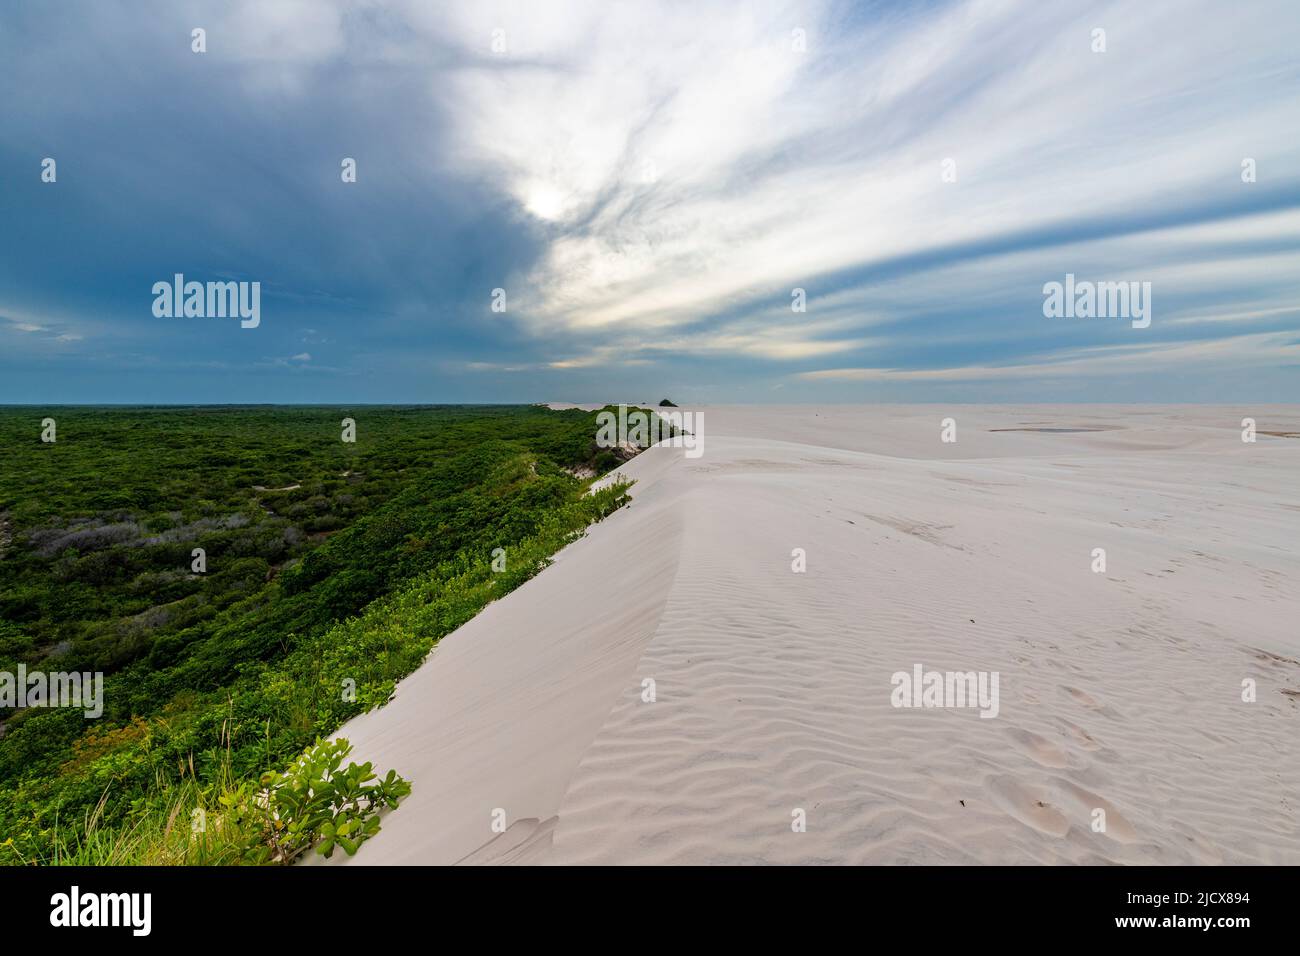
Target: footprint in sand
(1087, 700)
(1080, 696)
(1040, 749)
(1031, 808)
(1085, 740)
(1117, 826)
(524, 841)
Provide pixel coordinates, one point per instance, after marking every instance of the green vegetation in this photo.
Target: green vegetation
(331, 571)
(316, 802)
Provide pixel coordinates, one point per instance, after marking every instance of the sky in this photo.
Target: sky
(648, 184)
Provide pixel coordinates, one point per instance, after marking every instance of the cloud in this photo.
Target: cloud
(649, 182)
(52, 330)
(692, 173)
(774, 167)
(1244, 351)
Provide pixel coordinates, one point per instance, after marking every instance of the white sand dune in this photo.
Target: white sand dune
(1119, 691)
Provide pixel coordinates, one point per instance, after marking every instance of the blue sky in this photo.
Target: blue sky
(648, 182)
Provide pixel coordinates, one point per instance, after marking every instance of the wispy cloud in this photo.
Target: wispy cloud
(1242, 351)
(693, 166)
(650, 182)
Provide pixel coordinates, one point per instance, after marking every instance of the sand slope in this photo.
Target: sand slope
(1119, 691)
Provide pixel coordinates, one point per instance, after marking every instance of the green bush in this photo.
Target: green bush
(316, 802)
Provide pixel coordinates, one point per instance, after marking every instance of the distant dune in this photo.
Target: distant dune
(1121, 692)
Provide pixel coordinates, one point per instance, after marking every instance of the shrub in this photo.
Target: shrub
(313, 803)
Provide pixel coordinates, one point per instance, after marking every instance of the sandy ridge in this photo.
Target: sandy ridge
(1120, 692)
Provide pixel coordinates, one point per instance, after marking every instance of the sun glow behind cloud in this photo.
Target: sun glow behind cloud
(773, 168)
(650, 182)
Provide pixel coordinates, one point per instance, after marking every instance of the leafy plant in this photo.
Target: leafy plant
(316, 802)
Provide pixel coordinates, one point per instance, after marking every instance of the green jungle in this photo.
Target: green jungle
(247, 580)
